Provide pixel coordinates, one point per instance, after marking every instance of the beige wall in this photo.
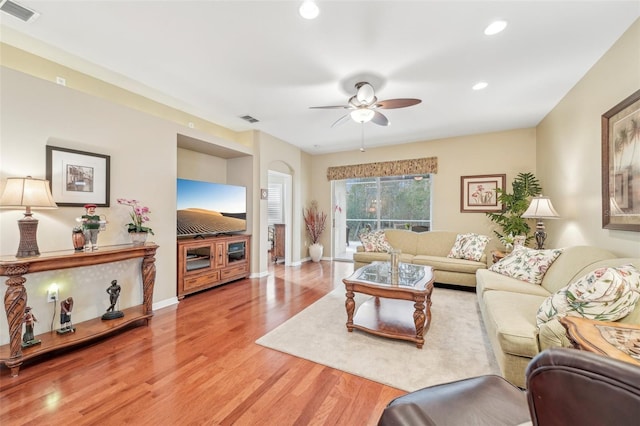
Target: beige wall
(509, 153)
(143, 163)
(197, 166)
(569, 144)
(275, 154)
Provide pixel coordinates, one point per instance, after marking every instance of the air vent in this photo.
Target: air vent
(14, 9)
(249, 118)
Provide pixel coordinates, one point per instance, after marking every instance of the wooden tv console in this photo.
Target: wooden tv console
(207, 262)
(15, 300)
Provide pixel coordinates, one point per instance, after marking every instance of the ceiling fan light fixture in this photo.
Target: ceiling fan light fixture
(309, 9)
(362, 115)
(365, 93)
(495, 27)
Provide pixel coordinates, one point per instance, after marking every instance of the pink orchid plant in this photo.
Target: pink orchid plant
(139, 215)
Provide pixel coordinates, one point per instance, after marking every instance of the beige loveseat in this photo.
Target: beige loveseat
(509, 307)
(430, 248)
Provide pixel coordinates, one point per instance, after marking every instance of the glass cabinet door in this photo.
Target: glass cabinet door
(198, 258)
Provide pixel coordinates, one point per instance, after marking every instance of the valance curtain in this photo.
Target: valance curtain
(416, 166)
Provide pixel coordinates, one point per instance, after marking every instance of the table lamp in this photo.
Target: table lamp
(30, 193)
(540, 208)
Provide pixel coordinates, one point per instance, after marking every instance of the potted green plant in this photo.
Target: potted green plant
(510, 220)
(315, 222)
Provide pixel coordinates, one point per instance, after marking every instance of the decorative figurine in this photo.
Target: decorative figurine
(114, 292)
(77, 237)
(66, 326)
(29, 319)
(92, 224)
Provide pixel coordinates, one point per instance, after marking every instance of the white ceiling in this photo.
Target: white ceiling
(221, 60)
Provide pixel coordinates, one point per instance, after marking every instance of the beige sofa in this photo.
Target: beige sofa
(430, 248)
(509, 307)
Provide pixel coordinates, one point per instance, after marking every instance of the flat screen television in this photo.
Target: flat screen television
(207, 208)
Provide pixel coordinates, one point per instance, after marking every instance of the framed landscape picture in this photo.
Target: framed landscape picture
(478, 193)
(77, 177)
(621, 165)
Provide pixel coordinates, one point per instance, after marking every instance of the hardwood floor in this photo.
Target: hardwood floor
(197, 364)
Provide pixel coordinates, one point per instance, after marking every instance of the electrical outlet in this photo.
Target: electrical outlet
(52, 295)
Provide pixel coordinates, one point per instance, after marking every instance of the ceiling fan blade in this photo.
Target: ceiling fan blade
(332, 107)
(397, 103)
(341, 120)
(380, 119)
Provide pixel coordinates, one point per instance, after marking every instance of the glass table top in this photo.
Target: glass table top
(626, 340)
(409, 275)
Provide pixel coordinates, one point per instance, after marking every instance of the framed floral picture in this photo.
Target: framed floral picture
(77, 177)
(478, 194)
(621, 165)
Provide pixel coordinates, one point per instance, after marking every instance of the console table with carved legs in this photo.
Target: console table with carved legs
(15, 300)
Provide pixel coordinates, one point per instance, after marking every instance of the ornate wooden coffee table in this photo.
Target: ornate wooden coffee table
(388, 312)
(614, 339)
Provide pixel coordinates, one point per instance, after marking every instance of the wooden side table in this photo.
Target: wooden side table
(613, 339)
(497, 255)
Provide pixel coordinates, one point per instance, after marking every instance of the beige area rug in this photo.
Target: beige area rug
(456, 345)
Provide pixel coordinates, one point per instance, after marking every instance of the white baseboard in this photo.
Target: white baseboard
(164, 303)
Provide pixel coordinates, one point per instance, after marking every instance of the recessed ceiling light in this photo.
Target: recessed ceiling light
(495, 27)
(480, 85)
(309, 9)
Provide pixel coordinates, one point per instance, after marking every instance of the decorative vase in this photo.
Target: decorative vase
(78, 240)
(138, 238)
(315, 252)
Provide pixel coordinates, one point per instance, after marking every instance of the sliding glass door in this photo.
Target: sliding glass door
(365, 204)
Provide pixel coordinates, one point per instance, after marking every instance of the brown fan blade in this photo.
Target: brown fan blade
(332, 107)
(397, 103)
(341, 120)
(380, 119)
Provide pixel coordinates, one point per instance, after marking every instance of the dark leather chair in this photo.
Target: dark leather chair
(564, 387)
(571, 387)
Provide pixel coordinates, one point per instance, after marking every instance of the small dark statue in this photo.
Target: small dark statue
(66, 326)
(114, 292)
(29, 320)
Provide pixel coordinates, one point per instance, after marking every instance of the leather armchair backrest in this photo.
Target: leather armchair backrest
(573, 387)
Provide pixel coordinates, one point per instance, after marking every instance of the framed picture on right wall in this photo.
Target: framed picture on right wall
(621, 165)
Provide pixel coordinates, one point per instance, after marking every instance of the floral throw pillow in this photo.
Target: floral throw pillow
(469, 246)
(526, 264)
(605, 294)
(375, 241)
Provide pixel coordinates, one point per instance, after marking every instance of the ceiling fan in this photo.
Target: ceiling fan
(364, 105)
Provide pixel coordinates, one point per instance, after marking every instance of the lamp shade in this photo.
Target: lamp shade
(541, 208)
(27, 192)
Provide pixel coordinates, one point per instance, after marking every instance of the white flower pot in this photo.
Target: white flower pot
(315, 252)
(138, 238)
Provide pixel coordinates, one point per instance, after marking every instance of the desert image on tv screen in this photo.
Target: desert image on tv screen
(205, 208)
